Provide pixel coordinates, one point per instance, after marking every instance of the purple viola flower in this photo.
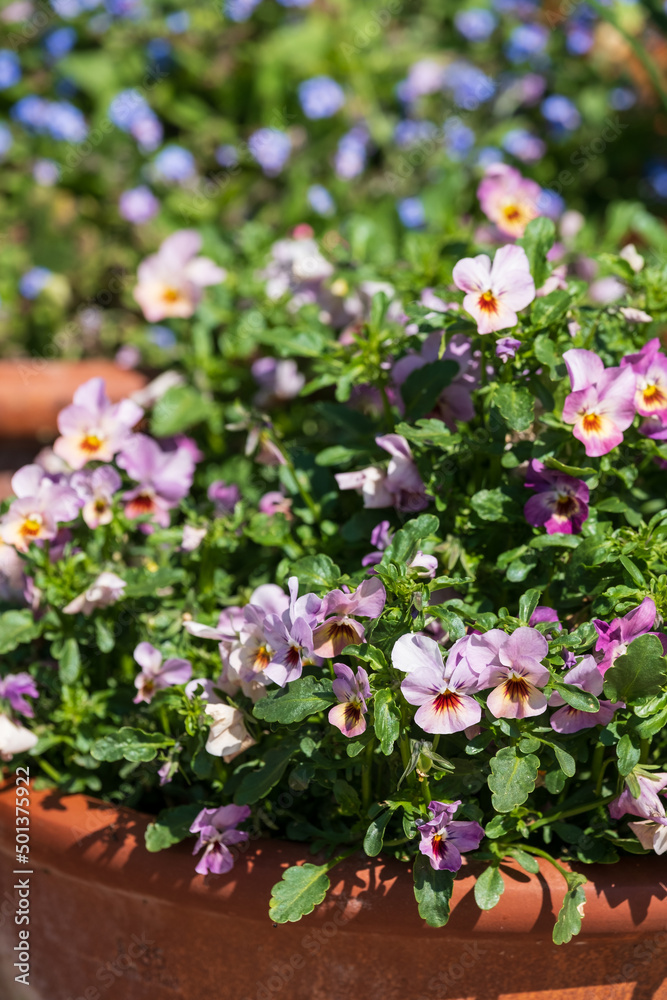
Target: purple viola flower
(455, 401)
(164, 478)
(650, 367)
(275, 502)
(649, 804)
(443, 691)
(601, 404)
(138, 205)
(444, 839)
(338, 629)
(278, 381)
(561, 503)
(352, 693)
(156, 675)
(43, 503)
(217, 833)
(400, 486)
(542, 613)
(224, 496)
(506, 348)
(350, 158)
(511, 665)
(321, 97)
(106, 589)
(290, 635)
(15, 688)
(96, 490)
(586, 676)
(615, 637)
(93, 428)
(381, 536)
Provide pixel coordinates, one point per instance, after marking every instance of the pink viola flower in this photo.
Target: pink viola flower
(615, 637)
(15, 688)
(338, 629)
(651, 834)
(96, 490)
(511, 665)
(156, 675)
(586, 676)
(444, 839)
(225, 497)
(106, 589)
(352, 693)
(542, 613)
(228, 736)
(455, 401)
(217, 833)
(650, 367)
(275, 502)
(164, 478)
(495, 292)
(170, 282)
(290, 635)
(649, 804)
(400, 486)
(508, 199)
(601, 404)
(443, 691)
(561, 503)
(43, 503)
(93, 428)
(14, 738)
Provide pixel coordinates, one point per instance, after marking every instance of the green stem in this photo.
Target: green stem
(575, 811)
(366, 776)
(386, 409)
(645, 746)
(597, 762)
(50, 770)
(598, 785)
(305, 495)
(608, 15)
(395, 843)
(547, 857)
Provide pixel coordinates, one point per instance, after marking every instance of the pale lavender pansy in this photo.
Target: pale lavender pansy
(352, 693)
(561, 502)
(227, 736)
(649, 803)
(14, 738)
(651, 834)
(495, 292)
(164, 478)
(455, 401)
(106, 589)
(443, 691)
(615, 637)
(586, 676)
(224, 496)
(96, 490)
(399, 486)
(93, 428)
(156, 675)
(217, 833)
(43, 502)
(444, 839)
(338, 629)
(508, 199)
(15, 688)
(601, 404)
(650, 367)
(170, 282)
(511, 665)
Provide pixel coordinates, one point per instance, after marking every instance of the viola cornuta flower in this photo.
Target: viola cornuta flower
(455, 402)
(443, 691)
(649, 804)
(228, 736)
(164, 478)
(44, 501)
(352, 692)
(156, 675)
(508, 199)
(14, 738)
(217, 833)
(615, 637)
(93, 428)
(105, 590)
(651, 833)
(96, 489)
(586, 676)
(561, 503)
(399, 486)
(170, 282)
(650, 367)
(511, 665)
(601, 404)
(15, 688)
(444, 839)
(338, 629)
(495, 292)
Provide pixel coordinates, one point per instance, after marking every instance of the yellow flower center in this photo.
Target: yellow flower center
(91, 443)
(591, 423)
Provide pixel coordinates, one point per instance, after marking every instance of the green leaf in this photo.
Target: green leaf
(180, 408)
(374, 838)
(516, 405)
(17, 627)
(527, 861)
(271, 530)
(628, 755)
(433, 891)
(317, 573)
(347, 798)
(300, 890)
(641, 672)
(297, 701)
(104, 636)
(367, 653)
(653, 725)
(170, 827)
(256, 784)
(492, 505)
(70, 661)
(129, 744)
(545, 352)
(406, 542)
(387, 719)
(527, 604)
(427, 432)
(566, 761)
(583, 701)
(489, 887)
(512, 778)
(422, 387)
(633, 572)
(537, 240)
(550, 308)
(337, 454)
(571, 912)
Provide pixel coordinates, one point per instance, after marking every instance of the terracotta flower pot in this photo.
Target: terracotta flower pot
(110, 920)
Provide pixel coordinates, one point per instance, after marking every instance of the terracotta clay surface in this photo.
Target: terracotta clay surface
(34, 390)
(110, 920)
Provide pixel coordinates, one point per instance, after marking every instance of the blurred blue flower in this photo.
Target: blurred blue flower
(622, 98)
(579, 39)
(60, 41)
(526, 41)
(46, 172)
(66, 122)
(411, 213)
(410, 132)
(524, 145)
(33, 281)
(178, 22)
(519, 8)
(459, 139)
(138, 204)
(488, 155)
(240, 10)
(130, 112)
(72, 8)
(550, 204)
(31, 112)
(161, 336)
(174, 164)
(476, 23)
(125, 8)
(271, 148)
(469, 85)
(424, 77)
(321, 97)
(10, 69)
(159, 50)
(227, 155)
(295, 3)
(6, 139)
(561, 112)
(350, 158)
(320, 200)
